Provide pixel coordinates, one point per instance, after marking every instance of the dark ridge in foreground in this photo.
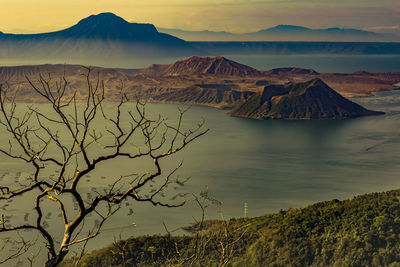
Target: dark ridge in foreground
(364, 231)
(310, 100)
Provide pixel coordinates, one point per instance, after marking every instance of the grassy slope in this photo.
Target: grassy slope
(364, 231)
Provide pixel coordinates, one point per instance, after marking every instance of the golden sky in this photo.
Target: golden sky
(33, 16)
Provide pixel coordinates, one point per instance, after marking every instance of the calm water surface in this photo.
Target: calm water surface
(321, 63)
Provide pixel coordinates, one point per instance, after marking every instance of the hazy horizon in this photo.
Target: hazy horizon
(281, 32)
(236, 16)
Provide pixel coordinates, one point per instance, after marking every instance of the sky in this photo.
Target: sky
(34, 16)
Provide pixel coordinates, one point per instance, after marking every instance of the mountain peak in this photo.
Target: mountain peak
(210, 65)
(285, 28)
(103, 34)
(315, 85)
(197, 59)
(318, 82)
(102, 19)
(290, 27)
(108, 26)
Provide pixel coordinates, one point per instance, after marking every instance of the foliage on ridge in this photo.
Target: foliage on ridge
(364, 231)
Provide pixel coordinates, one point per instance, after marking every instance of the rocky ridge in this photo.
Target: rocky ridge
(218, 82)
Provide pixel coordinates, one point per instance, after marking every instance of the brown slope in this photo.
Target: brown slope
(210, 65)
(203, 87)
(213, 96)
(155, 70)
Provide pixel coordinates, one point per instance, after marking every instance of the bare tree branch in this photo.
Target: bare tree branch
(64, 140)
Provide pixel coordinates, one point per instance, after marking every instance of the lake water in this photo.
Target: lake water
(270, 165)
(321, 63)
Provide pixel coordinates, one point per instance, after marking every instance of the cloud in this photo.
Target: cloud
(393, 27)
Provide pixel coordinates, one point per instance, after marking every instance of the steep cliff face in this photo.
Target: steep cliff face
(210, 65)
(310, 100)
(211, 96)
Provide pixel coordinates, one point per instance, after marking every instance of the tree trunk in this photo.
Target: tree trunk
(56, 260)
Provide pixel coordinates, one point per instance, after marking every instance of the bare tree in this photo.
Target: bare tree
(68, 141)
(15, 247)
(200, 241)
(223, 238)
(120, 249)
(226, 244)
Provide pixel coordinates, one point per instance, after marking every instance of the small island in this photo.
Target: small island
(313, 99)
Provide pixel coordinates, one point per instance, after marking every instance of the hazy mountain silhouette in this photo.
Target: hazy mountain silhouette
(102, 35)
(299, 33)
(298, 29)
(104, 38)
(285, 33)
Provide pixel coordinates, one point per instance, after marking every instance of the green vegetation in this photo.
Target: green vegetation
(364, 231)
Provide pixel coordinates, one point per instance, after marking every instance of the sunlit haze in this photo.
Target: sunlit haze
(24, 16)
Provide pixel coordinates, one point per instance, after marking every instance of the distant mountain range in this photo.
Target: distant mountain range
(104, 35)
(285, 33)
(105, 38)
